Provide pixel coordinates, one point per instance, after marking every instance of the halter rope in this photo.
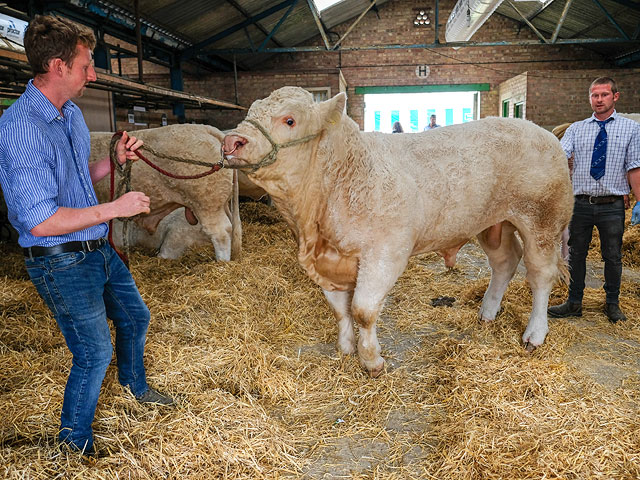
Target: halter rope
(270, 157)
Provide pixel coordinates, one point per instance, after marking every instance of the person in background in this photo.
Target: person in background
(432, 123)
(606, 159)
(397, 128)
(47, 184)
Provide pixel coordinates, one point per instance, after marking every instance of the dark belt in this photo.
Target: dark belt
(598, 200)
(81, 246)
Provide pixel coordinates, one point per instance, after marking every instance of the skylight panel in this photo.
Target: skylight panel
(324, 4)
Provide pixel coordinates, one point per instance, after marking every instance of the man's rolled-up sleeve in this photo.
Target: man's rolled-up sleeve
(30, 175)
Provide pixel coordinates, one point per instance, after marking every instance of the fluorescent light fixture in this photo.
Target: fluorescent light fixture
(467, 17)
(324, 4)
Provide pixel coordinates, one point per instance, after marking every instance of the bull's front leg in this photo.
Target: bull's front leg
(376, 277)
(340, 303)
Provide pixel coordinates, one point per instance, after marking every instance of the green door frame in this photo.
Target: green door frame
(465, 87)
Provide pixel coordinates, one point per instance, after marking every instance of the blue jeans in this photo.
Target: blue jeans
(609, 219)
(82, 290)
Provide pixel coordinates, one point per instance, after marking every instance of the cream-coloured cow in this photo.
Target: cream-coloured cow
(212, 201)
(360, 204)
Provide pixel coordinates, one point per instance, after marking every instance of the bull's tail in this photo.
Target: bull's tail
(563, 270)
(236, 226)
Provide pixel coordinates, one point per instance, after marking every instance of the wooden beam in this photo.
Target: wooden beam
(554, 37)
(531, 26)
(373, 3)
(316, 17)
(120, 83)
(13, 55)
(115, 81)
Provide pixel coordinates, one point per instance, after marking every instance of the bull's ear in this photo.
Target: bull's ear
(334, 108)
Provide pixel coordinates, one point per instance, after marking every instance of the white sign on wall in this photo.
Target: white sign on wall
(422, 71)
(12, 28)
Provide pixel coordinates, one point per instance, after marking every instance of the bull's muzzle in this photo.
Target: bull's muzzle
(232, 143)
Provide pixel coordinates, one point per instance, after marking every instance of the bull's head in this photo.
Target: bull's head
(286, 118)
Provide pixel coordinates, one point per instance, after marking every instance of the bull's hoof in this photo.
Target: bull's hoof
(529, 347)
(374, 371)
(349, 348)
(377, 371)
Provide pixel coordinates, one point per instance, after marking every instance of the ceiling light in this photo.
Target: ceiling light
(467, 17)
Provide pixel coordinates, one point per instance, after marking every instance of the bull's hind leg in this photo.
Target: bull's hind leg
(504, 255)
(340, 303)
(218, 226)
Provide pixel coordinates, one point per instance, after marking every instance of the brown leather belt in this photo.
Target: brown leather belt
(598, 200)
(80, 246)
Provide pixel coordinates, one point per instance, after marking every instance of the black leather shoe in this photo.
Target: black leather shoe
(567, 309)
(613, 313)
(88, 453)
(155, 397)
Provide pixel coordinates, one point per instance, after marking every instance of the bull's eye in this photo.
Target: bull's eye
(290, 121)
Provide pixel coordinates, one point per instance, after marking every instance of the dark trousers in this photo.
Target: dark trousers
(609, 219)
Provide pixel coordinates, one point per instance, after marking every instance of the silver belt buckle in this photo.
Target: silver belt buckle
(87, 244)
(590, 202)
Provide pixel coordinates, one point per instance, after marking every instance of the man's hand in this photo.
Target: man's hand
(131, 203)
(635, 214)
(126, 147)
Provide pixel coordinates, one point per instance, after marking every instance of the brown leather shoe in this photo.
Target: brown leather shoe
(613, 312)
(567, 309)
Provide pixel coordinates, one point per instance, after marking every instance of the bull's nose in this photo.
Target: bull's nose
(233, 143)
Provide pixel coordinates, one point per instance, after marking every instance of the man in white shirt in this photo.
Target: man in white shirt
(606, 150)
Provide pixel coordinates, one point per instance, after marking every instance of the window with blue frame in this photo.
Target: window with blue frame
(395, 117)
(376, 121)
(467, 116)
(448, 116)
(413, 120)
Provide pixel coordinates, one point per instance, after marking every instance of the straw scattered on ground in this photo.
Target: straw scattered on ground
(248, 349)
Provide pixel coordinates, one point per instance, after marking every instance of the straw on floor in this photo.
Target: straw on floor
(248, 349)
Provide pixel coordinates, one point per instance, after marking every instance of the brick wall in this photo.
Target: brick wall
(396, 67)
(564, 97)
(513, 91)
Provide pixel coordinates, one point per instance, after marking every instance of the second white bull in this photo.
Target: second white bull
(212, 200)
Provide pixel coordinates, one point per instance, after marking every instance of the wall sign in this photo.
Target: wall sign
(422, 71)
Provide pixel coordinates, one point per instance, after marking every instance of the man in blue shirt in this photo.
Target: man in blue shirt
(606, 150)
(432, 124)
(47, 182)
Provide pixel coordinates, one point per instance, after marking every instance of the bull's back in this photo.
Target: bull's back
(458, 180)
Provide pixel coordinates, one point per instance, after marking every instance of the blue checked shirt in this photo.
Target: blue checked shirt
(623, 154)
(44, 165)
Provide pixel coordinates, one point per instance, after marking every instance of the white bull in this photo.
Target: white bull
(360, 204)
(171, 239)
(211, 201)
